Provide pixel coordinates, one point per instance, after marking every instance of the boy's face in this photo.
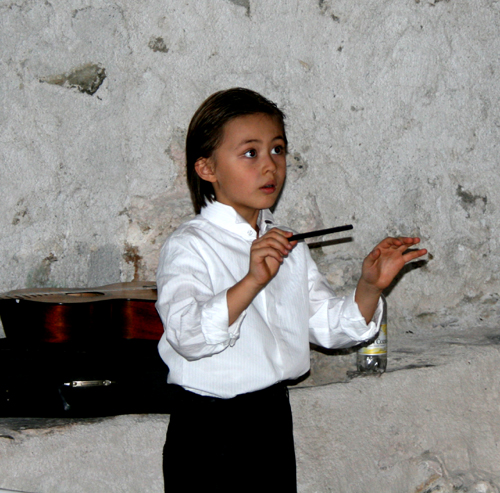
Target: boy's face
(248, 168)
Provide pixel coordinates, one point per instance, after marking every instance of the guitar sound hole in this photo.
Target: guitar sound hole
(87, 294)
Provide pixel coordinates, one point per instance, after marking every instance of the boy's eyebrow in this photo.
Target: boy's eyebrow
(250, 141)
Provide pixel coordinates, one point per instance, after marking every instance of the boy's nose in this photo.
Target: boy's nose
(269, 164)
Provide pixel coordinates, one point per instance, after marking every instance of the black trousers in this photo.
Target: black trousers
(237, 445)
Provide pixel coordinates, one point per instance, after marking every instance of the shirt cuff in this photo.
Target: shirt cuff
(215, 321)
(362, 331)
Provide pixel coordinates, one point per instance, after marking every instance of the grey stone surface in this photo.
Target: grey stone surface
(429, 424)
(110, 455)
(427, 429)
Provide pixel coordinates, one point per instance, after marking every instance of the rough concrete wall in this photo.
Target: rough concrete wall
(393, 120)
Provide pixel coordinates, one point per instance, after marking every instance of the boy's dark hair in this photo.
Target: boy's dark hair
(206, 129)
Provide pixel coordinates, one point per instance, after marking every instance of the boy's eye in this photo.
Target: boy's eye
(251, 153)
(278, 150)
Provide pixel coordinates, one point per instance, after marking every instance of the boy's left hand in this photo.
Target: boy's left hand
(384, 262)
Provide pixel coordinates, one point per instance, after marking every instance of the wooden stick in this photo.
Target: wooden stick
(320, 232)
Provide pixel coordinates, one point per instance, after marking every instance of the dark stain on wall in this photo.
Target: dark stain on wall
(242, 3)
(468, 200)
(104, 265)
(39, 277)
(131, 256)
(18, 216)
(296, 167)
(432, 3)
(325, 9)
(21, 215)
(158, 44)
(86, 78)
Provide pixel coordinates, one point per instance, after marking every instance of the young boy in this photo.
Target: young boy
(240, 304)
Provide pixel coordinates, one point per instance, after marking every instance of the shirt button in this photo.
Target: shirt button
(250, 232)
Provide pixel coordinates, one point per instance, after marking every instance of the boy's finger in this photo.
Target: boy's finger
(276, 236)
(410, 240)
(281, 232)
(413, 254)
(276, 244)
(405, 242)
(262, 253)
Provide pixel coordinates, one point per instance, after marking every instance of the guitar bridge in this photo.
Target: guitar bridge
(88, 383)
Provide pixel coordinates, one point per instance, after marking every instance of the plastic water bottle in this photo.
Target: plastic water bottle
(372, 357)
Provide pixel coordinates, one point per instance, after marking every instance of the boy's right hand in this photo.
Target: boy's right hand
(267, 255)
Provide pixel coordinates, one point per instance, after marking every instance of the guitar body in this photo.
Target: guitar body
(83, 316)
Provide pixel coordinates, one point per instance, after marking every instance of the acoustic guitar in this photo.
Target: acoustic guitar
(83, 316)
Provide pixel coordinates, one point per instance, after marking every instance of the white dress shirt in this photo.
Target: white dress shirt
(269, 342)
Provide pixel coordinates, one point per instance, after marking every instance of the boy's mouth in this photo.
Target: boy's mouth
(269, 188)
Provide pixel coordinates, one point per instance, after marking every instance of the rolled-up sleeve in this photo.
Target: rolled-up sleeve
(195, 318)
(336, 322)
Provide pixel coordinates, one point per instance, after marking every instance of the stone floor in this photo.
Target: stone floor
(430, 424)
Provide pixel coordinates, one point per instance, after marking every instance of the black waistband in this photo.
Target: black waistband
(185, 397)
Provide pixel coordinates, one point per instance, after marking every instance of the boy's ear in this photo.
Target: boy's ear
(205, 169)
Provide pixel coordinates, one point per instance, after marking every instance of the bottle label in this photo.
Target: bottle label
(379, 345)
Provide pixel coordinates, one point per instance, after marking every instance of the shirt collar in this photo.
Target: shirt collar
(227, 218)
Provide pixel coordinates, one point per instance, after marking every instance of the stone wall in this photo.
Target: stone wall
(393, 122)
